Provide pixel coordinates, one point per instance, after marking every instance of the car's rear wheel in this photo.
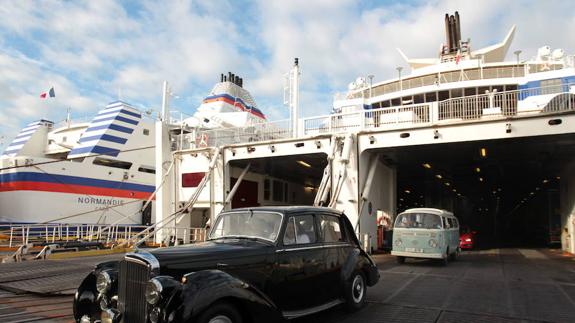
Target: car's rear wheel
(400, 259)
(355, 292)
(220, 313)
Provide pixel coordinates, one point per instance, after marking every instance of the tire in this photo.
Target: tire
(445, 259)
(355, 292)
(220, 313)
(400, 260)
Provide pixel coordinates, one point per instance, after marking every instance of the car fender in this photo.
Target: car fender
(203, 288)
(358, 260)
(86, 294)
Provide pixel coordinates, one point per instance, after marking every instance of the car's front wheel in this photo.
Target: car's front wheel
(355, 292)
(220, 313)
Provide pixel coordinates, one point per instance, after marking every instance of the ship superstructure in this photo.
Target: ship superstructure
(103, 171)
(451, 105)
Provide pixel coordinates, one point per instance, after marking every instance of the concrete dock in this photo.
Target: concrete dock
(496, 285)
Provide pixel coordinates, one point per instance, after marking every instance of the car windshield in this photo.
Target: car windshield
(418, 220)
(248, 224)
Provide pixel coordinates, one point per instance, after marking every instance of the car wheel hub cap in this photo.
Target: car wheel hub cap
(221, 319)
(357, 289)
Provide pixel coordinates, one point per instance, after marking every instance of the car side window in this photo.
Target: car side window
(300, 229)
(330, 229)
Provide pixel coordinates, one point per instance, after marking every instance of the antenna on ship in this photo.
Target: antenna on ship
(165, 116)
(291, 96)
(68, 116)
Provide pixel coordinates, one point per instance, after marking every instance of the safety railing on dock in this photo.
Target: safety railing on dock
(41, 234)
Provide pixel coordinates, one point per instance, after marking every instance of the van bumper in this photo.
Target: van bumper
(417, 254)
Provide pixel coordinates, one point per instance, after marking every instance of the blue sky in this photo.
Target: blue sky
(93, 52)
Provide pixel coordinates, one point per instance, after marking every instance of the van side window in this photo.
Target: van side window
(450, 223)
(456, 223)
(445, 224)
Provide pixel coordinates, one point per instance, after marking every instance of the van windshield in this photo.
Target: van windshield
(418, 220)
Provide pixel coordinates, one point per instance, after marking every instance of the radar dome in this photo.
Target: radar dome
(558, 53)
(544, 52)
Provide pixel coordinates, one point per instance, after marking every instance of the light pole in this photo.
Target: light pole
(399, 68)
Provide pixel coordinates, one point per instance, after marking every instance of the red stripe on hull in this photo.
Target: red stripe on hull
(72, 189)
(236, 104)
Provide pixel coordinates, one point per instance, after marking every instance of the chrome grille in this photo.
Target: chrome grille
(133, 277)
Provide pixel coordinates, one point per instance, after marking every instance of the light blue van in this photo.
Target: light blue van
(426, 233)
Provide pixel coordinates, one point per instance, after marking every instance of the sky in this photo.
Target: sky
(95, 52)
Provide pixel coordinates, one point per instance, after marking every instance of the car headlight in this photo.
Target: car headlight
(432, 243)
(103, 282)
(153, 291)
(398, 242)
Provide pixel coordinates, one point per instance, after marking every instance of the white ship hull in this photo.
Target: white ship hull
(63, 193)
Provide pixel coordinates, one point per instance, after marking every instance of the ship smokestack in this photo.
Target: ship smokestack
(447, 32)
(452, 32)
(229, 76)
(221, 77)
(457, 31)
(241, 82)
(296, 63)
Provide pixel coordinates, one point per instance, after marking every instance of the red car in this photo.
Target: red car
(468, 240)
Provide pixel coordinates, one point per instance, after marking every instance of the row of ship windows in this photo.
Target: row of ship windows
(122, 165)
(442, 95)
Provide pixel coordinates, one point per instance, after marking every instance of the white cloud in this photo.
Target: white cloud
(91, 50)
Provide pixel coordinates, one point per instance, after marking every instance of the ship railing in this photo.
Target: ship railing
(482, 107)
(255, 132)
(516, 103)
(42, 234)
(332, 123)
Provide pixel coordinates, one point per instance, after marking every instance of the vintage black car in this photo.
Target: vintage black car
(264, 264)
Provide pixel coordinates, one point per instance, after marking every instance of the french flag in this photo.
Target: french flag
(50, 94)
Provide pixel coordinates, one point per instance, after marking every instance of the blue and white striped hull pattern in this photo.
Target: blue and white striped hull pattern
(23, 137)
(108, 132)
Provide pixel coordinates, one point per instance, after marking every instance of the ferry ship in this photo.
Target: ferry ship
(103, 171)
(463, 96)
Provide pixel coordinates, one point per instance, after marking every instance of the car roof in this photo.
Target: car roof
(429, 210)
(289, 209)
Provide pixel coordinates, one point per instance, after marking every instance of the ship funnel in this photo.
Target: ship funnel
(222, 77)
(453, 32)
(447, 32)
